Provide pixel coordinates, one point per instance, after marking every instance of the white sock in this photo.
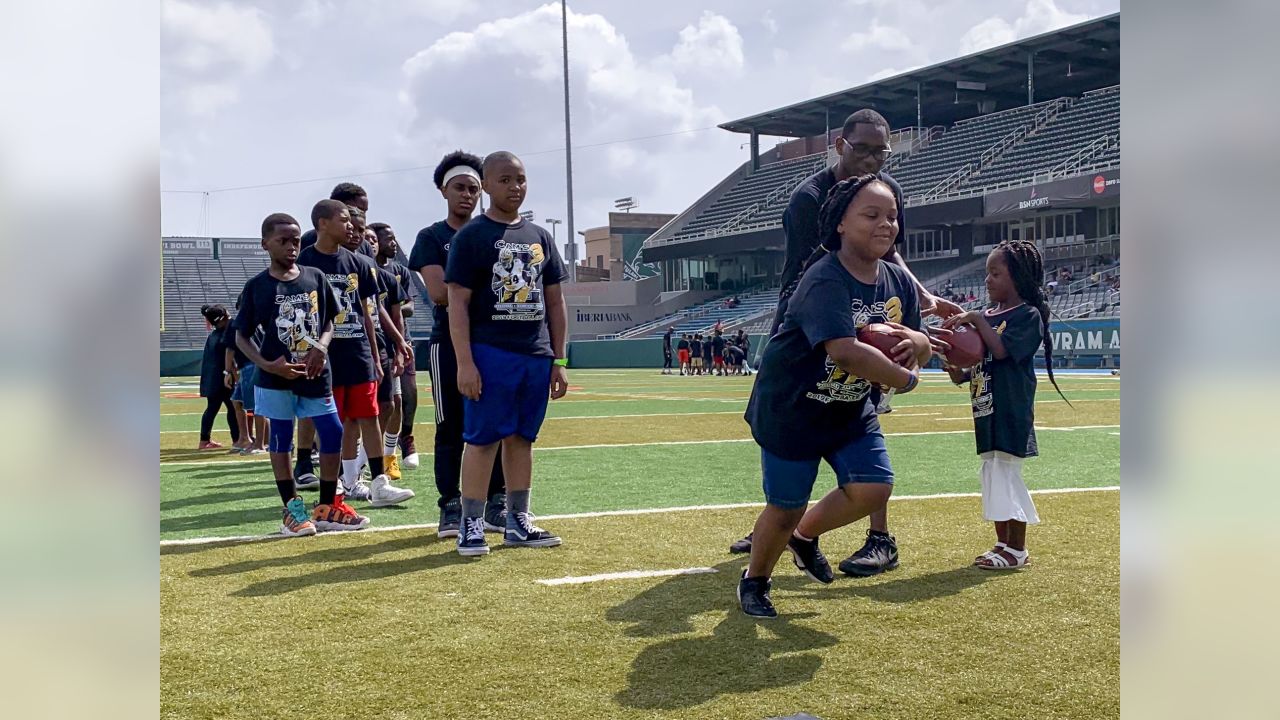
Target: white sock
(362, 459)
(350, 472)
(389, 443)
(1020, 554)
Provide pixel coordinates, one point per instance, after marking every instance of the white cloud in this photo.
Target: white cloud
(879, 37)
(499, 86)
(769, 23)
(207, 49)
(314, 13)
(714, 45)
(1038, 17)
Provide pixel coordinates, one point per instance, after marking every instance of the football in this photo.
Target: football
(967, 348)
(880, 337)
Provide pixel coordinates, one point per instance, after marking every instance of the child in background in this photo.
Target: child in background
(1003, 390)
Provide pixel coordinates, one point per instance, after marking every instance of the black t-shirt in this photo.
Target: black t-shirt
(211, 362)
(354, 279)
(682, 345)
(291, 317)
(696, 347)
(507, 268)
(229, 343)
(706, 350)
(309, 239)
(803, 406)
(733, 354)
(717, 345)
(389, 293)
(404, 280)
(666, 343)
(1004, 391)
(432, 248)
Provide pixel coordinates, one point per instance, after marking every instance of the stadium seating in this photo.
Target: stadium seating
(190, 282)
(1091, 117)
(756, 199)
(963, 143)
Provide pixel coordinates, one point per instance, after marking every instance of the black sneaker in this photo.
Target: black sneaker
(495, 514)
(521, 532)
(741, 546)
(450, 519)
(753, 597)
(471, 538)
(879, 554)
(306, 481)
(809, 558)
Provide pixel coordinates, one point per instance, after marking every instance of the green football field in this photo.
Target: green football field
(643, 473)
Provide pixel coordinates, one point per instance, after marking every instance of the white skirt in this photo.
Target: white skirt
(1004, 494)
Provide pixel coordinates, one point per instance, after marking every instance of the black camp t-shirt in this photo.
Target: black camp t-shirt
(717, 345)
(1003, 391)
(803, 406)
(507, 268)
(404, 282)
(682, 345)
(290, 316)
(354, 279)
(432, 248)
(695, 346)
(389, 293)
(309, 239)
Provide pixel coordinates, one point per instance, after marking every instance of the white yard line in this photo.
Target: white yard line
(203, 463)
(627, 575)
(613, 513)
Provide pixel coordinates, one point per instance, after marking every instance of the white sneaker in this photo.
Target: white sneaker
(410, 461)
(359, 490)
(383, 493)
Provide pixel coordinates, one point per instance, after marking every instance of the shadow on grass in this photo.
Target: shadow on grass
(741, 655)
(335, 554)
(262, 491)
(266, 515)
(908, 590)
(351, 573)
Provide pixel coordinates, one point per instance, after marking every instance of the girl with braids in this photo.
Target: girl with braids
(817, 389)
(1003, 389)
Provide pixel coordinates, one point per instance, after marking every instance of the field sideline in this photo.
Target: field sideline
(658, 475)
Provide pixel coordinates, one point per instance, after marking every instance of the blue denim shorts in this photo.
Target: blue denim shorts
(514, 392)
(244, 389)
(284, 405)
(789, 483)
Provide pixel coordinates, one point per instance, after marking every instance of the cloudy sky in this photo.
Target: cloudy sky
(267, 105)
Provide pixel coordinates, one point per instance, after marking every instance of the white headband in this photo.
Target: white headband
(460, 170)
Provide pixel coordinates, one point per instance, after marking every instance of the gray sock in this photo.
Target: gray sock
(472, 508)
(518, 501)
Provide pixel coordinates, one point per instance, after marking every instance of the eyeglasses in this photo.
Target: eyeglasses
(861, 151)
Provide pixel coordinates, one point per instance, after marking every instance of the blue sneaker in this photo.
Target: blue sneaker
(521, 532)
(471, 538)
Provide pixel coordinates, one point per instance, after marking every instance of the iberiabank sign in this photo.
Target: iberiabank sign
(1070, 192)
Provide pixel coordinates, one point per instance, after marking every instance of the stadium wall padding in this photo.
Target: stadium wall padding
(1083, 341)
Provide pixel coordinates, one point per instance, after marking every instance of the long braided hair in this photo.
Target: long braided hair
(829, 217)
(1026, 269)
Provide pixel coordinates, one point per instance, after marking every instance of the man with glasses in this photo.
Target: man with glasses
(861, 149)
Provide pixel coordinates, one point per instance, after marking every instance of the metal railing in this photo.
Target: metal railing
(1070, 165)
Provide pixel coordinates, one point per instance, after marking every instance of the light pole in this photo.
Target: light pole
(527, 215)
(568, 142)
(553, 223)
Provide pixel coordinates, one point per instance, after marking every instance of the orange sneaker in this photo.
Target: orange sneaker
(296, 521)
(210, 445)
(338, 517)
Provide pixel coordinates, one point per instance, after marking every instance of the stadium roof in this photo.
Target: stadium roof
(1068, 61)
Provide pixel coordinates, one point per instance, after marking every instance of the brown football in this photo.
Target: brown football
(878, 336)
(967, 348)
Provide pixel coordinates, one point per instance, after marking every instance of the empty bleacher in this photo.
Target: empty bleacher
(963, 143)
(756, 199)
(1090, 118)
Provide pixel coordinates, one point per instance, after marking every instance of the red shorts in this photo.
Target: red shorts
(684, 357)
(356, 401)
(719, 361)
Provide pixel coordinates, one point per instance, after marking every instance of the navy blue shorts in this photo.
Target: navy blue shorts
(514, 391)
(788, 483)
